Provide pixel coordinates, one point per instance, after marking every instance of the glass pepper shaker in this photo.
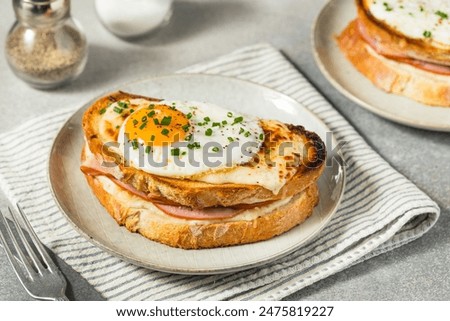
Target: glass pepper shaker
(45, 47)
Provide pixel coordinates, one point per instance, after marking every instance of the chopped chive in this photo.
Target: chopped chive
(230, 139)
(175, 152)
(188, 138)
(261, 136)
(441, 14)
(189, 115)
(135, 144)
(118, 110)
(131, 110)
(194, 145)
(215, 124)
(241, 130)
(156, 121)
(165, 132)
(117, 127)
(387, 7)
(151, 106)
(143, 125)
(427, 34)
(144, 119)
(166, 120)
(238, 120)
(184, 153)
(224, 122)
(147, 149)
(122, 104)
(208, 132)
(207, 119)
(185, 127)
(230, 114)
(151, 114)
(102, 111)
(215, 149)
(135, 122)
(247, 134)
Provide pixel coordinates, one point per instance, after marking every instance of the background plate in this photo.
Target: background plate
(333, 18)
(89, 218)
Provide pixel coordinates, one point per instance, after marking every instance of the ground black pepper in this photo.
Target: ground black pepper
(46, 54)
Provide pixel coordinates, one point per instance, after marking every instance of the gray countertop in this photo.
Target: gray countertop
(201, 30)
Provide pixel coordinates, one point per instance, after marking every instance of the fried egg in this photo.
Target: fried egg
(183, 139)
(418, 19)
(200, 142)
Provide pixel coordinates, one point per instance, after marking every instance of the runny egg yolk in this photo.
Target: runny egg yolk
(157, 125)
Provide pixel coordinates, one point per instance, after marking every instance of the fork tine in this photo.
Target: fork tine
(25, 242)
(11, 257)
(37, 243)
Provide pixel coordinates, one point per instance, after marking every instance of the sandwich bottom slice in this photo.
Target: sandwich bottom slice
(391, 75)
(250, 225)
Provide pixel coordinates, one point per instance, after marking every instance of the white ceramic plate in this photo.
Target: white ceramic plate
(333, 18)
(89, 218)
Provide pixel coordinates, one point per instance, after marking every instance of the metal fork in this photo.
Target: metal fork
(37, 272)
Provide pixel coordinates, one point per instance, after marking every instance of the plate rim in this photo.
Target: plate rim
(192, 271)
(350, 96)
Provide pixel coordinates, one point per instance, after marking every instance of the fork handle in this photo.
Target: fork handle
(62, 298)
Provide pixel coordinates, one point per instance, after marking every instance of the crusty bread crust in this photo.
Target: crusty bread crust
(188, 235)
(392, 76)
(197, 194)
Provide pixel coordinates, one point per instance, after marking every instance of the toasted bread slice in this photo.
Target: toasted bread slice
(257, 224)
(193, 192)
(393, 76)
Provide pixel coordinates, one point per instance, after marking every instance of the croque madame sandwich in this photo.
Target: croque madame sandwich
(194, 175)
(403, 47)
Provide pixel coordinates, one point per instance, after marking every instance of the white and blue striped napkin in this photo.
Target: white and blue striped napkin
(380, 211)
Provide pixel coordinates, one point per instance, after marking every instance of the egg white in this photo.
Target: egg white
(228, 145)
(415, 18)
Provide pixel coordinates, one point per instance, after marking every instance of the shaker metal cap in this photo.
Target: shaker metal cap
(41, 11)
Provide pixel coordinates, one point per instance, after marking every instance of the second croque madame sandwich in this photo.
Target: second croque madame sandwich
(403, 47)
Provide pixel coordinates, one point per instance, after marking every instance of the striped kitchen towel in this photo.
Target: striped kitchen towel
(380, 211)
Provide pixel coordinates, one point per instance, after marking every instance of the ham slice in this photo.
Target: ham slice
(131, 189)
(213, 213)
(427, 66)
(92, 166)
(393, 52)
